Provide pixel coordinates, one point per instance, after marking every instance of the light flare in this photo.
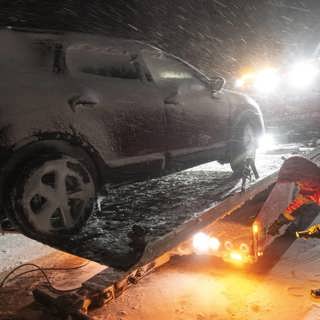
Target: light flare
(245, 80)
(267, 81)
(203, 243)
(236, 256)
(255, 228)
(303, 74)
(266, 142)
(214, 244)
(264, 81)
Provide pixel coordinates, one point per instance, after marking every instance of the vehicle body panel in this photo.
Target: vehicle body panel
(125, 122)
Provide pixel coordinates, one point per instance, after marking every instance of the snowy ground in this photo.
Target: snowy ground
(193, 288)
(16, 249)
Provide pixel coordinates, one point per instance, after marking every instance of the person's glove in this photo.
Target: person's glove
(311, 232)
(274, 228)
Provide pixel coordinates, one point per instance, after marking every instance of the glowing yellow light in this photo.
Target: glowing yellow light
(236, 256)
(267, 80)
(244, 80)
(214, 244)
(255, 228)
(201, 242)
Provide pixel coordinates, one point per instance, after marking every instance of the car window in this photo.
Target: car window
(166, 69)
(101, 62)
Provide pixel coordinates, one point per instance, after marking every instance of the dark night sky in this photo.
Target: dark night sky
(216, 35)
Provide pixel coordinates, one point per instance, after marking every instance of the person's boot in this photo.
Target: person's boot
(315, 293)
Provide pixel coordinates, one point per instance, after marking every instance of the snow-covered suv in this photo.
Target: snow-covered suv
(78, 111)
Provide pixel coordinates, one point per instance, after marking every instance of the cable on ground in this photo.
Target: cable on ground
(44, 274)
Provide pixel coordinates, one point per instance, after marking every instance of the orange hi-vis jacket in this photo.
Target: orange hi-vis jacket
(304, 196)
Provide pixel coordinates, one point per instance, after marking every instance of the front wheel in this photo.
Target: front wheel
(243, 147)
(52, 197)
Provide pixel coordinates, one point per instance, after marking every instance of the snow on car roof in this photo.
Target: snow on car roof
(115, 45)
(71, 37)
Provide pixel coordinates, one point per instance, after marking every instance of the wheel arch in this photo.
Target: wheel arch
(246, 116)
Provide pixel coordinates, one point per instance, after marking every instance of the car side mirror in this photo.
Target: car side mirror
(217, 84)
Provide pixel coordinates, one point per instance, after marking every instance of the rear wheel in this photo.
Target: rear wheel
(243, 147)
(52, 197)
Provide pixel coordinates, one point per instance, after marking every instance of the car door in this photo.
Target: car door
(197, 119)
(114, 105)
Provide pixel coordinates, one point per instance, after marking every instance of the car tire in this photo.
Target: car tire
(52, 197)
(243, 146)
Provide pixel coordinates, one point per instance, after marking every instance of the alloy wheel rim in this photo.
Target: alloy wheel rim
(56, 195)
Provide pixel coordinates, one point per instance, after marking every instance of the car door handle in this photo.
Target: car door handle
(79, 101)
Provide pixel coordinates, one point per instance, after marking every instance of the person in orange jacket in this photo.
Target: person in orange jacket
(306, 175)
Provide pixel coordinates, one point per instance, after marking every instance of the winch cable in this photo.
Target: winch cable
(44, 274)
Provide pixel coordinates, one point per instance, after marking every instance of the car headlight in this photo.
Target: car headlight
(245, 80)
(267, 81)
(303, 74)
(264, 81)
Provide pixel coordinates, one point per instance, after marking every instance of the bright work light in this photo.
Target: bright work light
(303, 74)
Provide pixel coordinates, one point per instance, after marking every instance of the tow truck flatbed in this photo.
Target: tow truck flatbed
(252, 211)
